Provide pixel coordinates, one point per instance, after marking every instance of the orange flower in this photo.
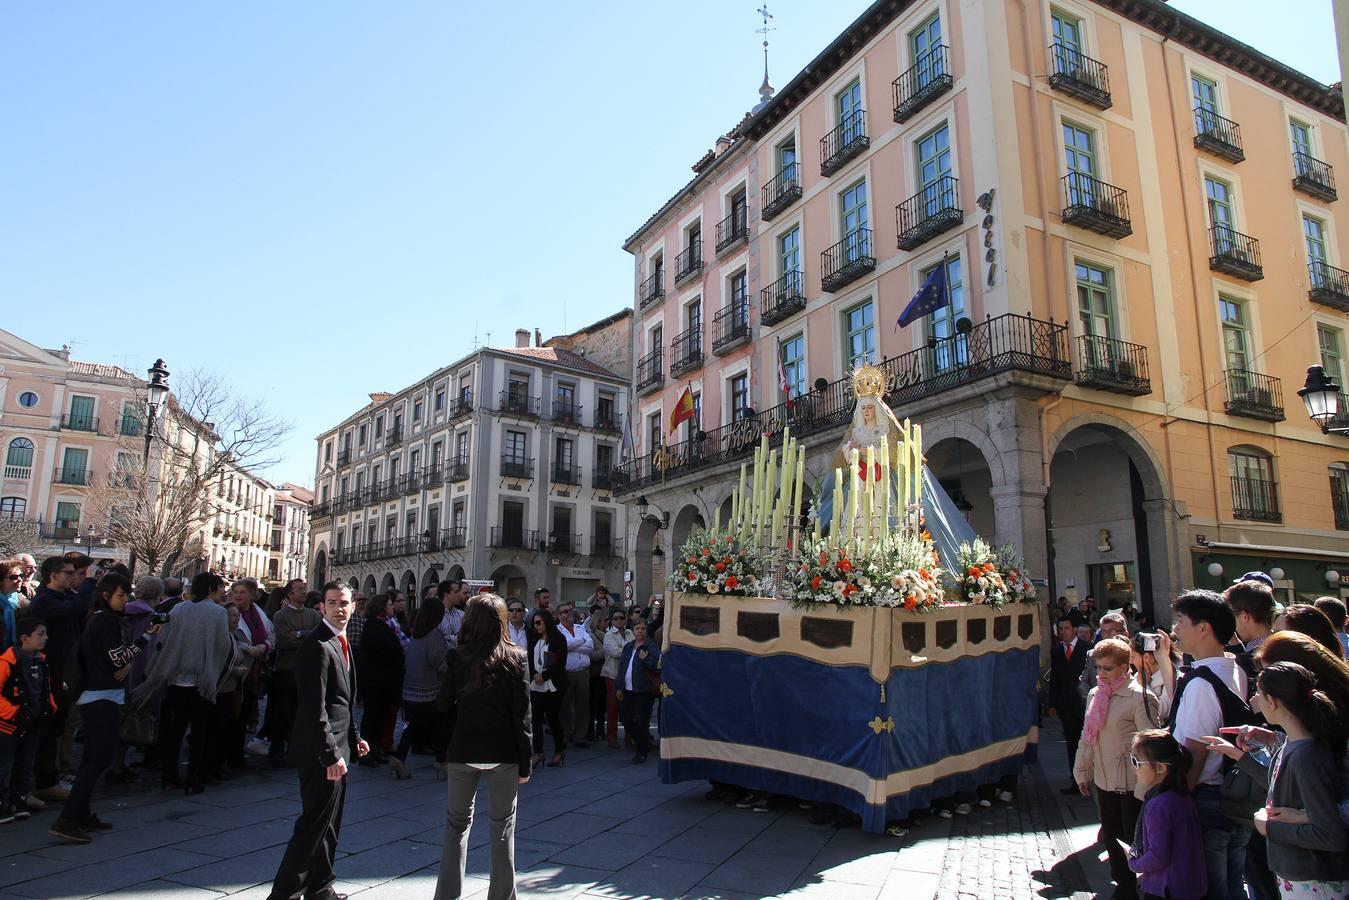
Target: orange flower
(910, 601)
(693, 576)
(844, 565)
(974, 571)
(731, 582)
(726, 559)
(693, 560)
(721, 567)
(815, 583)
(707, 551)
(923, 573)
(824, 559)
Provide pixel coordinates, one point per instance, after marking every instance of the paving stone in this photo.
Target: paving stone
(555, 882)
(703, 845)
(387, 862)
(653, 876)
(573, 828)
(756, 870)
(87, 881)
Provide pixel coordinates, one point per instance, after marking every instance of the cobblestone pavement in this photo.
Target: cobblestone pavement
(598, 828)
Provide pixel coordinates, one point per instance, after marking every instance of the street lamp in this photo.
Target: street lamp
(662, 521)
(1321, 396)
(155, 391)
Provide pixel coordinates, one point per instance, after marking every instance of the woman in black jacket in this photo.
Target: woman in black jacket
(547, 681)
(105, 662)
(379, 671)
(484, 688)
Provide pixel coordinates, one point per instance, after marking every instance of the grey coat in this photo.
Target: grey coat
(1307, 780)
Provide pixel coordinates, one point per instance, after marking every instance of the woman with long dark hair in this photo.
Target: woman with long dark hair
(105, 663)
(1308, 620)
(379, 669)
(547, 682)
(485, 691)
(424, 659)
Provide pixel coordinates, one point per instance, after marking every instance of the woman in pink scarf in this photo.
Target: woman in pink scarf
(1116, 711)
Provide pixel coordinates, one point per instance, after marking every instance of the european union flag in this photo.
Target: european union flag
(931, 297)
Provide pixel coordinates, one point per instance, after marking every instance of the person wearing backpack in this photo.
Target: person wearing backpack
(1210, 695)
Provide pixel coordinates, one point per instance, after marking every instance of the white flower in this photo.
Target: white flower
(712, 587)
(839, 587)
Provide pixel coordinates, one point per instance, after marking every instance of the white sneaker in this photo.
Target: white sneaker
(257, 747)
(985, 803)
(944, 813)
(1005, 796)
(962, 809)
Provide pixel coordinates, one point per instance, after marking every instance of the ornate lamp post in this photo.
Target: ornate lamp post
(1321, 396)
(155, 391)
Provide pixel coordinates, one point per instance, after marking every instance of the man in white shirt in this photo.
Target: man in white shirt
(453, 595)
(1204, 624)
(576, 701)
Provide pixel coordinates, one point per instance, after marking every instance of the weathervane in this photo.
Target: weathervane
(765, 89)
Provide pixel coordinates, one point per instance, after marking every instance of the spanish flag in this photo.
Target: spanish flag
(683, 410)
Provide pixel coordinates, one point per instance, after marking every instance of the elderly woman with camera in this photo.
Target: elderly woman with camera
(1117, 709)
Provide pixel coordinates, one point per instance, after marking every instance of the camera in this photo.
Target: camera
(159, 618)
(1148, 641)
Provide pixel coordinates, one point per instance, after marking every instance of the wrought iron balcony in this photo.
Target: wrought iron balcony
(461, 407)
(517, 466)
(1235, 254)
(393, 437)
(920, 84)
(651, 290)
(1217, 135)
(453, 538)
(690, 262)
(566, 412)
(730, 326)
(560, 474)
(513, 539)
(1079, 75)
(1329, 286)
(601, 479)
(1255, 498)
(686, 350)
(1339, 500)
(844, 142)
(606, 548)
(1313, 177)
(1110, 365)
(1095, 205)
(59, 530)
(933, 210)
(1341, 418)
(131, 426)
(456, 469)
(733, 230)
(847, 261)
(79, 422)
(608, 420)
(411, 482)
(78, 477)
(563, 542)
(1254, 395)
(783, 298)
(432, 475)
(344, 457)
(519, 404)
(321, 510)
(781, 191)
(650, 371)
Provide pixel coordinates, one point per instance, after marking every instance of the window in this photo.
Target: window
(457, 516)
(657, 337)
(860, 328)
(68, 516)
(74, 464)
(1205, 94)
(327, 451)
(1218, 196)
(324, 494)
(604, 410)
(82, 413)
(379, 426)
(28, 399)
(793, 351)
(410, 523)
(360, 481)
(657, 267)
(390, 527)
(934, 156)
(515, 447)
(951, 349)
(1328, 341)
(849, 104)
(1236, 340)
(393, 470)
(434, 459)
(414, 460)
(853, 209)
(695, 424)
(604, 457)
(1314, 232)
(693, 239)
(1301, 134)
(922, 41)
(739, 397)
(653, 432)
(1253, 489)
(19, 455)
(1095, 303)
(13, 507)
(342, 491)
(375, 472)
(461, 446)
(439, 405)
(786, 156)
(564, 454)
(417, 411)
(789, 252)
(361, 434)
(1339, 494)
(693, 317)
(1067, 30)
(397, 425)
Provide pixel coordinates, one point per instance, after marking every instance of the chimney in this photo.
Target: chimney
(538, 338)
(723, 144)
(522, 337)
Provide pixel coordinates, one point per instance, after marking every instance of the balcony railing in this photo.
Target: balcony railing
(79, 423)
(1217, 135)
(730, 326)
(1110, 365)
(650, 372)
(920, 84)
(686, 350)
(781, 191)
(432, 475)
(928, 213)
(1254, 395)
(606, 548)
(844, 142)
(601, 478)
(566, 412)
(393, 437)
(734, 229)
(1339, 500)
(1329, 286)
(1255, 498)
(453, 538)
(651, 290)
(1235, 254)
(847, 261)
(1341, 417)
(79, 477)
(1095, 205)
(1079, 75)
(1313, 177)
(517, 467)
(1006, 343)
(518, 404)
(59, 530)
(18, 473)
(411, 482)
(690, 262)
(608, 420)
(563, 542)
(513, 539)
(560, 474)
(344, 457)
(783, 298)
(130, 426)
(461, 407)
(456, 469)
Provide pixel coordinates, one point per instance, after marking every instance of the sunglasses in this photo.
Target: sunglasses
(515, 610)
(1136, 762)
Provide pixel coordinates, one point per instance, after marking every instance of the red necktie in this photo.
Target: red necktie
(1067, 650)
(346, 651)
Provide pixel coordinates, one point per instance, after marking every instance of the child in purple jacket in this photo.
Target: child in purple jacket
(1168, 850)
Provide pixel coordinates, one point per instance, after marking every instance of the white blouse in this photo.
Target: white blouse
(540, 649)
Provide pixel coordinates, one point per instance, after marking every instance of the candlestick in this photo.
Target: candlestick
(853, 498)
(918, 463)
(836, 519)
(885, 483)
(793, 509)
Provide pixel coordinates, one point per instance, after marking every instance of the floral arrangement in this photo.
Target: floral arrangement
(896, 570)
(1020, 588)
(978, 578)
(713, 563)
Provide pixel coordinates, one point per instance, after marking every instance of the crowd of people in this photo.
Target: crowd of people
(1216, 753)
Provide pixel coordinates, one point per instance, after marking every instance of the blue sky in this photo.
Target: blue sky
(319, 200)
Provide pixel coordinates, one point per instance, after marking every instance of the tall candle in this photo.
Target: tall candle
(766, 508)
(836, 519)
(918, 463)
(852, 498)
(739, 498)
(885, 485)
(794, 508)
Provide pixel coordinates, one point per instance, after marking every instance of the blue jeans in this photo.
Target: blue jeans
(1224, 847)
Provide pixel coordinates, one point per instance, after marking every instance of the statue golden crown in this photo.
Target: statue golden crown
(869, 381)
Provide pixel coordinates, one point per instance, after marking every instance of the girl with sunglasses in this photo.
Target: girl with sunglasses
(1168, 848)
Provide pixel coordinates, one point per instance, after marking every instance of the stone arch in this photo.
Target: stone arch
(510, 582)
(430, 578)
(320, 572)
(960, 427)
(387, 583)
(724, 511)
(645, 556)
(962, 470)
(688, 520)
(368, 587)
(1144, 458)
(408, 586)
(456, 573)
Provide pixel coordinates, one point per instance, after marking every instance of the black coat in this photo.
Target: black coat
(324, 729)
(491, 721)
(63, 613)
(1064, 675)
(555, 659)
(381, 656)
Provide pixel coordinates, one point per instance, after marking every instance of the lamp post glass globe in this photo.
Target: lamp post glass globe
(1215, 569)
(1321, 396)
(1276, 574)
(1332, 577)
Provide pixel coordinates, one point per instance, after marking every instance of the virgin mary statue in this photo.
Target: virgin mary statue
(873, 424)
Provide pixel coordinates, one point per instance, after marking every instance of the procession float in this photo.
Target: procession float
(874, 654)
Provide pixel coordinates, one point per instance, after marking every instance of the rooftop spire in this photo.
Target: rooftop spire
(765, 89)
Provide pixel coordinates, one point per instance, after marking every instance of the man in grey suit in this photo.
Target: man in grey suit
(321, 744)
